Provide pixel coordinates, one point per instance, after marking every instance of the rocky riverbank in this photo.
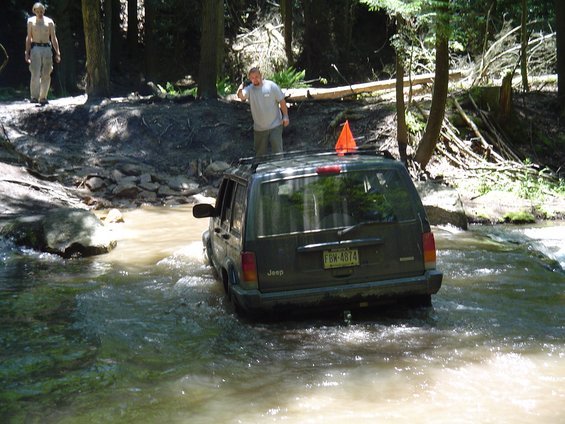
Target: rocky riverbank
(125, 153)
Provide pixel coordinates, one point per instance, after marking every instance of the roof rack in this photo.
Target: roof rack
(254, 162)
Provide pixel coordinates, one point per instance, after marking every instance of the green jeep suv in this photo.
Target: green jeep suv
(320, 230)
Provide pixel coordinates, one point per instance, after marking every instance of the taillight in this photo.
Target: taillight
(328, 169)
(249, 267)
(429, 243)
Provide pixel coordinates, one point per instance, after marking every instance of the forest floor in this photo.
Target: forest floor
(70, 139)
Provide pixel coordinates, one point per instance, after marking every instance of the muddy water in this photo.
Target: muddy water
(144, 335)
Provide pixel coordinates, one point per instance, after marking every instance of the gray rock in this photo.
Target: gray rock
(130, 179)
(147, 196)
(114, 216)
(166, 191)
(116, 175)
(145, 178)
(148, 186)
(67, 232)
(95, 183)
(181, 183)
(132, 168)
(216, 168)
(126, 191)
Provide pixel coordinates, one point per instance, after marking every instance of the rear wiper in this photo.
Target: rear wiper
(354, 227)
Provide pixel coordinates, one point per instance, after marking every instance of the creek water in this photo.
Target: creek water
(144, 334)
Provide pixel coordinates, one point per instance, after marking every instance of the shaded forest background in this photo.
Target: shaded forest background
(338, 42)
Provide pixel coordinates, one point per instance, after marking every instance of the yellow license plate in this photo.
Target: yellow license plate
(341, 258)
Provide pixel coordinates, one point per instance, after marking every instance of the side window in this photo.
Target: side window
(227, 198)
(238, 209)
(221, 194)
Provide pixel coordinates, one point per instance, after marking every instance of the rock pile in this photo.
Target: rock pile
(132, 184)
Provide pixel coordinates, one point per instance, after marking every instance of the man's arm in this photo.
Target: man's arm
(28, 42)
(284, 110)
(54, 42)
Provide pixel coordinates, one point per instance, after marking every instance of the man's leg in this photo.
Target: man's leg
(260, 141)
(35, 69)
(46, 69)
(275, 137)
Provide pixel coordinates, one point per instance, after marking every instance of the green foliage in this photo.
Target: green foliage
(393, 7)
(171, 90)
(9, 94)
(224, 87)
(414, 124)
(290, 78)
(534, 186)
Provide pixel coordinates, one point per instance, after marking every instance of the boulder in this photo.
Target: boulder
(114, 216)
(216, 168)
(495, 206)
(443, 204)
(183, 184)
(67, 232)
(148, 186)
(95, 183)
(127, 190)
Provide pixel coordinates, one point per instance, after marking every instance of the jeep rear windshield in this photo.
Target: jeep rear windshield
(322, 202)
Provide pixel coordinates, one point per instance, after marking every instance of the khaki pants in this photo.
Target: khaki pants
(40, 67)
(262, 139)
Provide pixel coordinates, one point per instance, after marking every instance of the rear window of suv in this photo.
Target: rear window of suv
(322, 202)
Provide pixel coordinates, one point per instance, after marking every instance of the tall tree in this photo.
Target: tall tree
(112, 35)
(560, 27)
(401, 12)
(524, 46)
(212, 29)
(69, 31)
(97, 75)
(286, 12)
(151, 40)
(133, 23)
(401, 127)
(441, 82)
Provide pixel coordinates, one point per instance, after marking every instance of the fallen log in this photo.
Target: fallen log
(301, 94)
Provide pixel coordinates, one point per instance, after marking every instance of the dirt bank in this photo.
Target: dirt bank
(97, 151)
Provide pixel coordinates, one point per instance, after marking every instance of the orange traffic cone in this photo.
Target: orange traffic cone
(345, 142)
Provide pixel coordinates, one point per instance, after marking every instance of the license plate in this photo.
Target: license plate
(341, 258)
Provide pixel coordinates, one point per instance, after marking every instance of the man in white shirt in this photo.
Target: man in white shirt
(40, 41)
(268, 109)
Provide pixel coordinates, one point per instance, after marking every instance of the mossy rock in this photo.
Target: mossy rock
(519, 217)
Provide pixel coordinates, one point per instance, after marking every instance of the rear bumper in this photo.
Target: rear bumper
(351, 295)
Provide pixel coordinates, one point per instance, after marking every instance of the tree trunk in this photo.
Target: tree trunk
(132, 33)
(524, 47)
(300, 94)
(97, 78)
(66, 75)
(220, 40)
(505, 99)
(207, 72)
(112, 32)
(317, 45)
(401, 128)
(439, 96)
(286, 11)
(151, 54)
(560, 28)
